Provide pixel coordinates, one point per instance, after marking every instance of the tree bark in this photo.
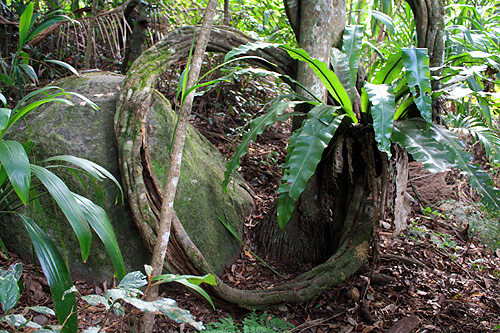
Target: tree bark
(90, 35)
(174, 170)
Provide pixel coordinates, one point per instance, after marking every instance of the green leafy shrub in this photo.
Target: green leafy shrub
(253, 323)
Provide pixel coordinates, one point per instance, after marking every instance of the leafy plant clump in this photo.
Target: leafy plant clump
(263, 323)
(128, 291)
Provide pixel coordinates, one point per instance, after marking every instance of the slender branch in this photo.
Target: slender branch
(167, 208)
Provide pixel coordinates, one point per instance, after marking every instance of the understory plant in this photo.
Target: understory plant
(263, 323)
(128, 291)
(15, 68)
(396, 102)
(18, 188)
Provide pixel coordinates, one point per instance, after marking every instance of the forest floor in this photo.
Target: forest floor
(439, 275)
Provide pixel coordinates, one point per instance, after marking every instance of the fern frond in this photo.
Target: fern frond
(472, 126)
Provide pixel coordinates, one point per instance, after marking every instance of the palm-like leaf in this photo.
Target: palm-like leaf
(17, 166)
(99, 221)
(57, 275)
(71, 209)
(95, 170)
(418, 75)
(469, 125)
(383, 109)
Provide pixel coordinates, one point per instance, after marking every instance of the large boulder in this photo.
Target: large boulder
(84, 132)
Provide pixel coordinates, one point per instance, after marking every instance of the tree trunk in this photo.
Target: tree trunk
(313, 232)
(90, 36)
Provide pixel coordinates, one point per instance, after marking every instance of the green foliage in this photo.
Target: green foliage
(304, 154)
(19, 67)
(16, 176)
(57, 274)
(9, 287)
(129, 291)
(253, 323)
(418, 76)
(256, 127)
(383, 109)
(352, 47)
(438, 149)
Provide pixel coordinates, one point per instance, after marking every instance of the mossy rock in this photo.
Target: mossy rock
(87, 133)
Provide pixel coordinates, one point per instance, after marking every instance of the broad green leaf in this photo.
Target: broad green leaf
(340, 65)
(15, 270)
(21, 113)
(193, 279)
(168, 307)
(190, 281)
(71, 209)
(423, 145)
(418, 75)
(328, 77)
(56, 273)
(9, 292)
(477, 177)
(133, 281)
(94, 169)
(315, 136)
(3, 99)
(42, 310)
(99, 221)
(15, 320)
(352, 47)
(25, 24)
(257, 126)
(96, 300)
(391, 70)
(65, 65)
(383, 109)
(15, 161)
(244, 49)
(4, 117)
(286, 205)
(46, 24)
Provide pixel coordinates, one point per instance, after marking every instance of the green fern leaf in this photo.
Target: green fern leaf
(383, 108)
(256, 127)
(418, 75)
(439, 149)
(352, 47)
(424, 146)
(340, 65)
(304, 156)
(391, 70)
(327, 76)
(248, 47)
